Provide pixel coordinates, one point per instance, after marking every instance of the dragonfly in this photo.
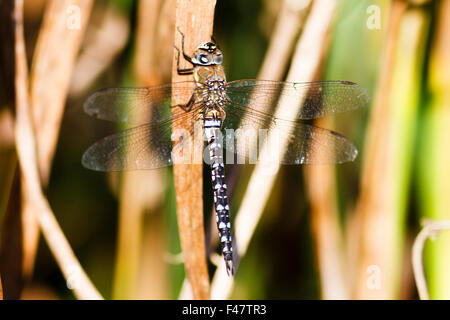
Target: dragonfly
(221, 107)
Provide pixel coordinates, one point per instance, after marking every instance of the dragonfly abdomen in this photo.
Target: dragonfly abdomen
(212, 125)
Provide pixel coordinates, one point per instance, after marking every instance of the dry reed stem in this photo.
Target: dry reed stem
(53, 61)
(305, 64)
(11, 241)
(165, 38)
(320, 181)
(144, 64)
(153, 279)
(9, 159)
(6, 129)
(378, 110)
(102, 44)
(282, 41)
(382, 183)
(195, 19)
(54, 58)
(430, 230)
(141, 190)
(26, 150)
(321, 185)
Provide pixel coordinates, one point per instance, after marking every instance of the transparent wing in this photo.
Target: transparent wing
(147, 146)
(321, 98)
(137, 106)
(303, 143)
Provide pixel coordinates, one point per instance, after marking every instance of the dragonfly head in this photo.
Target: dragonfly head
(207, 54)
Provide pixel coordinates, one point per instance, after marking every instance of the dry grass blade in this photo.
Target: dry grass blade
(147, 22)
(288, 23)
(103, 43)
(58, 44)
(387, 163)
(195, 19)
(10, 201)
(139, 272)
(321, 184)
(430, 229)
(26, 150)
(306, 61)
(375, 132)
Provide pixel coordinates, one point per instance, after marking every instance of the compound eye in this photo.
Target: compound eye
(203, 58)
(218, 58)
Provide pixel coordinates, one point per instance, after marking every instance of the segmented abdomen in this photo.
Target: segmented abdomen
(212, 131)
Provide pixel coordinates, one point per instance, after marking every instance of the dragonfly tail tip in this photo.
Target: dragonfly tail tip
(230, 267)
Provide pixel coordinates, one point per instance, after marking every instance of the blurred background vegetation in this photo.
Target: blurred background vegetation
(124, 229)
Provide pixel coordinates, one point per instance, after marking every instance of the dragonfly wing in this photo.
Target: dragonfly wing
(308, 144)
(147, 146)
(319, 98)
(303, 143)
(137, 106)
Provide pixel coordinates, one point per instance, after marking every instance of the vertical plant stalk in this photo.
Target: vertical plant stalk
(56, 50)
(26, 150)
(434, 156)
(105, 38)
(154, 280)
(306, 61)
(195, 19)
(144, 64)
(321, 185)
(282, 41)
(139, 270)
(388, 157)
(375, 132)
(10, 202)
(431, 229)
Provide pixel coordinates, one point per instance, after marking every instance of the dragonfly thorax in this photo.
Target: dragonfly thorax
(213, 93)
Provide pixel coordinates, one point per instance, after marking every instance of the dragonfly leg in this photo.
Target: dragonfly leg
(188, 106)
(179, 70)
(185, 55)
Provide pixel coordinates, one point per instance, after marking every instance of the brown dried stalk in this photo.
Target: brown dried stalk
(431, 229)
(139, 271)
(56, 50)
(26, 150)
(153, 281)
(195, 19)
(53, 61)
(320, 181)
(282, 41)
(375, 132)
(103, 42)
(306, 61)
(379, 204)
(321, 184)
(144, 63)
